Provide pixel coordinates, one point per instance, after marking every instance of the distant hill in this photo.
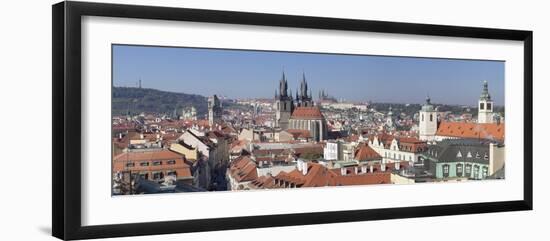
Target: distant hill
(137, 100)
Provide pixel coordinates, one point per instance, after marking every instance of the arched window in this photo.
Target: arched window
(445, 170)
(459, 169)
(431, 117)
(422, 117)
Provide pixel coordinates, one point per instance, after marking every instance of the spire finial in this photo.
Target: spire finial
(428, 100)
(485, 93)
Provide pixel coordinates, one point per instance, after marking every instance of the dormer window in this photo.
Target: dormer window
(469, 155)
(477, 155)
(459, 154)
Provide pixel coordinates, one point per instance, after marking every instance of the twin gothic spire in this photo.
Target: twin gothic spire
(302, 94)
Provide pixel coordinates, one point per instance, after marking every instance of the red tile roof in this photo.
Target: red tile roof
(307, 113)
(263, 182)
(366, 153)
(297, 133)
(147, 155)
(363, 179)
(320, 176)
(243, 169)
(471, 130)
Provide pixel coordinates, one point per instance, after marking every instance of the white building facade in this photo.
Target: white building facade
(485, 111)
(427, 124)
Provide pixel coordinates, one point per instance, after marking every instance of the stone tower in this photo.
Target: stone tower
(427, 125)
(485, 111)
(214, 110)
(283, 104)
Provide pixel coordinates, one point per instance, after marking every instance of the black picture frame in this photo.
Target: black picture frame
(66, 76)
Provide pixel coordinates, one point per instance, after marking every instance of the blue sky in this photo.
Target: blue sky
(245, 74)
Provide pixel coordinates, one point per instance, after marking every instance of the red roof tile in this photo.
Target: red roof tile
(243, 169)
(297, 133)
(307, 113)
(366, 153)
(471, 130)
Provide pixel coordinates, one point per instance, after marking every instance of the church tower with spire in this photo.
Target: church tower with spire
(304, 99)
(284, 104)
(485, 111)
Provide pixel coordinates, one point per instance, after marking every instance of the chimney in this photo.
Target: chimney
(343, 171)
(304, 168)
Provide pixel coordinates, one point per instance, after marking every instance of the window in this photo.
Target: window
(489, 106)
(422, 117)
(484, 172)
(171, 173)
(459, 154)
(171, 162)
(476, 172)
(468, 170)
(285, 106)
(481, 106)
(469, 155)
(157, 175)
(459, 170)
(144, 164)
(431, 117)
(446, 170)
(157, 163)
(144, 175)
(130, 164)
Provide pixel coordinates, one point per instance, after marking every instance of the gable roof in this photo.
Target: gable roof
(320, 176)
(307, 113)
(366, 153)
(243, 169)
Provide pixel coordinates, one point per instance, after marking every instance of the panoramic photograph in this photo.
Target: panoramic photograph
(204, 120)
